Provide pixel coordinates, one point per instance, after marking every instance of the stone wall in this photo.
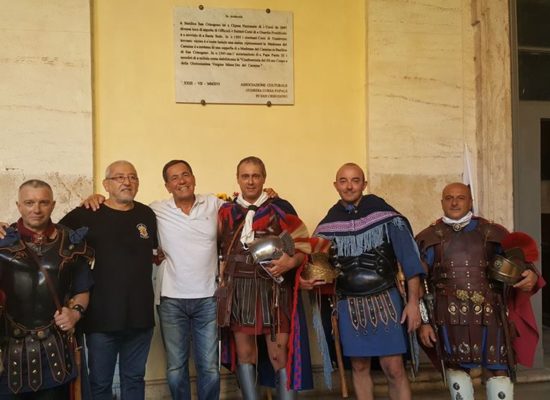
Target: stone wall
(46, 100)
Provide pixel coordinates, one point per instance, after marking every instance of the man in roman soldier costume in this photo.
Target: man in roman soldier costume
(375, 314)
(263, 245)
(44, 286)
(479, 282)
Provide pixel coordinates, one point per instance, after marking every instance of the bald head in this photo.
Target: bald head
(350, 183)
(113, 165)
(456, 200)
(350, 166)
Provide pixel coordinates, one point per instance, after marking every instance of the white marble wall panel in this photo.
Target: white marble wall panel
(46, 100)
(431, 90)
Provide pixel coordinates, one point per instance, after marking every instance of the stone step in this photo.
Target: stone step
(428, 380)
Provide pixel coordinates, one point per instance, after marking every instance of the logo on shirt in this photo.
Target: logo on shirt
(142, 229)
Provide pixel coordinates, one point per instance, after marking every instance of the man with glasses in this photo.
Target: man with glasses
(119, 320)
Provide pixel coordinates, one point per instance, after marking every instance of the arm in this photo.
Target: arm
(408, 256)
(411, 312)
(70, 314)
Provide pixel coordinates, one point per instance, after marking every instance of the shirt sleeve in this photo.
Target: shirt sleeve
(405, 248)
(74, 219)
(82, 280)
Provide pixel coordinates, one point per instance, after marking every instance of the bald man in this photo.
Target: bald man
(470, 312)
(371, 237)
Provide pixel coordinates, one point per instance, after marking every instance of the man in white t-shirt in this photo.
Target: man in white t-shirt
(186, 281)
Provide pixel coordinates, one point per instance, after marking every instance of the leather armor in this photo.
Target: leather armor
(467, 304)
(250, 286)
(28, 328)
(367, 274)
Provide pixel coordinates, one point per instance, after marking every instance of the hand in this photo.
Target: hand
(93, 201)
(528, 282)
(411, 314)
(67, 319)
(3, 227)
(158, 256)
(271, 193)
(427, 335)
(281, 265)
(309, 284)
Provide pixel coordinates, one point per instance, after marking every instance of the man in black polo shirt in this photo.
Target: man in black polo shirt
(119, 320)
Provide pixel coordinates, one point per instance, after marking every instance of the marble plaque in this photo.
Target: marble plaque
(236, 56)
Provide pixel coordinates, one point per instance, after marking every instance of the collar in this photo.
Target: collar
(458, 224)
(199, 199)
(28, 235)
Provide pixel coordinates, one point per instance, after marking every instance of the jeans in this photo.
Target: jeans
(183, 320)
(132, 348)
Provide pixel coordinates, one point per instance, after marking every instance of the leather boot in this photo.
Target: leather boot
(246, 374)
(282, 392)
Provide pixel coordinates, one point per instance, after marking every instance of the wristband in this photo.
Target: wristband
(79, 308)
(423, 312)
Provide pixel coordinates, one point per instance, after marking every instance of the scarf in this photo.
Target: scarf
(28, 235)
(247, 234)
(457, 224)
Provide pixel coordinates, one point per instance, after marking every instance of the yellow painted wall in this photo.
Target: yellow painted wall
(136, 117)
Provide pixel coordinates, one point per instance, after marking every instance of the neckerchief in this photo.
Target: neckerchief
(457, 224)
(247, 234)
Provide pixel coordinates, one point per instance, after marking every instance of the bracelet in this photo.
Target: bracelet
(423, 312)
(79, 308)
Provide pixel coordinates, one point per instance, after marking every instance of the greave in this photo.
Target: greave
(500, 387)
(246, 374)
(282, 392)
(460, 384)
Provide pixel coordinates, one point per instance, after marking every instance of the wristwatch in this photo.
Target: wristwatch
(79, 308)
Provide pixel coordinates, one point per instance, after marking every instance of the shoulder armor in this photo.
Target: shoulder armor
(73, 244)
(430, 236)
(491, 231)
(12, 242)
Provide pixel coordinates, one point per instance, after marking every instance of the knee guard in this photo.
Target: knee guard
(460, 384)
(499, 388)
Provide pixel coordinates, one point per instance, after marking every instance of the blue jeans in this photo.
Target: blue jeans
(180, 321)
(132, 348)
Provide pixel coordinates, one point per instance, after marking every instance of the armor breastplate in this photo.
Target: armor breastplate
(368, 273)
(29, 301)
(461, 261)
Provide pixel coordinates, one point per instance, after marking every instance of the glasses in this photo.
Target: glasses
(122, 178)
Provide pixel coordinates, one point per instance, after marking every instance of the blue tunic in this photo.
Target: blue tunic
(387, 338)
(355, 232)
